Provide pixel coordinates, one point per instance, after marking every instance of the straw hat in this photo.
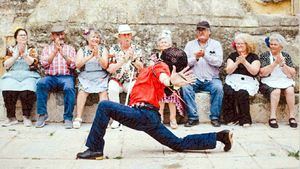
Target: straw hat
(124, 29)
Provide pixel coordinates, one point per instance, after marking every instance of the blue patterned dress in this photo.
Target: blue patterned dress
(19, 77)
(93, 78)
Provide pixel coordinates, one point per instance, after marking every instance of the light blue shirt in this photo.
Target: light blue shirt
(207, 67)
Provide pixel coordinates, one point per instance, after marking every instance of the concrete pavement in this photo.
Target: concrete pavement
(258, 146)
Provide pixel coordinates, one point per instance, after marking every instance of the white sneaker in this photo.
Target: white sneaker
(27, 122)
(246, 125)
(77, 123)
(115, 125)
(10, 122)
(233, 123)
(173, 124)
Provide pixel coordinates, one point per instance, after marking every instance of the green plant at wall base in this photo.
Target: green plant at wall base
(118, 158)
(294, 154)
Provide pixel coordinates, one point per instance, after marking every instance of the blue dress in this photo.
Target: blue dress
(93, 78)
(19, 77)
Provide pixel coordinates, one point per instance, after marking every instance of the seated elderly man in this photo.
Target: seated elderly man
(205, 56)
(57, 59)
(125, 62)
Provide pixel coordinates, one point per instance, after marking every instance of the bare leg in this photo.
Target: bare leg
(275, 96)
(103, 96)
(161, 111)
(172, 108)
(173, 122)
(290, 100)
(81, 99)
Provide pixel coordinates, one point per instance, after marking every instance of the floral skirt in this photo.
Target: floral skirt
(174, 98)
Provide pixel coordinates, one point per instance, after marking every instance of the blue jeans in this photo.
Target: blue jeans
(64, 82)
(214, 87)
(143, 120)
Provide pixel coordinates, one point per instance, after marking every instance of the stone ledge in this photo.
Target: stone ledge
(260, 108)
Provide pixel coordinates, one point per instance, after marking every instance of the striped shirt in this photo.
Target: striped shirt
(59, 65)
(207, 67)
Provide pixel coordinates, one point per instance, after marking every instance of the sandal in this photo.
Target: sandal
(293, 123)
(273, 123)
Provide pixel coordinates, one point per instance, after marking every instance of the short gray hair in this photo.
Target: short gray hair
(167, 39)
(279, 38)
(165, 35)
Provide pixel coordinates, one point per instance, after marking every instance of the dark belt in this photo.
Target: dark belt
(145, 106)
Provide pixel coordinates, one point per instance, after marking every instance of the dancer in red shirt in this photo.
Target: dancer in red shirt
(142, 114)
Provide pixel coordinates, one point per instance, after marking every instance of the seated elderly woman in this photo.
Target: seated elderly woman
(242, 68)
(20, 79)
(164, 41)
(277, 72)
(91, 60)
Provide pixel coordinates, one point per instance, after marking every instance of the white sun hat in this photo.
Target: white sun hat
(124, 29)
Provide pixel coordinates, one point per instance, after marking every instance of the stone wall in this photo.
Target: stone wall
(148, 18)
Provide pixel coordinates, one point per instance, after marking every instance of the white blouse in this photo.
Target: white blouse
(277, 78)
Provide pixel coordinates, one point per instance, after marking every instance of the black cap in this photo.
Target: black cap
(203, 24)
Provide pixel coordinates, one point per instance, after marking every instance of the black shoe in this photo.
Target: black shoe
(273, 123)
(191, 123)
(88, 154)
(225, 136)
(215, 123)
(293, 123)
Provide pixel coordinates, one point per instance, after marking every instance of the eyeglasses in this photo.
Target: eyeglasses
(240, 44)
(22, 35)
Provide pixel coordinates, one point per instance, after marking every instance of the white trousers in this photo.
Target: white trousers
(114, 89)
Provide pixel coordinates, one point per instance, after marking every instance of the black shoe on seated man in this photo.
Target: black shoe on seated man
(92, 155)
(191, 123)
(215, 123)
(225, 136)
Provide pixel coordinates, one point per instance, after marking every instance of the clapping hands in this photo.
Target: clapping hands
(21, 48)
(128, 55)
(200, 53)
(57, 45)
(95, 51)
(279, 60)
(241, 59)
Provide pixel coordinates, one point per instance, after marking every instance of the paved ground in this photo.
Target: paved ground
(55, 147)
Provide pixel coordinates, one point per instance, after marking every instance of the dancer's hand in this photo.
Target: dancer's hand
(183, 77)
